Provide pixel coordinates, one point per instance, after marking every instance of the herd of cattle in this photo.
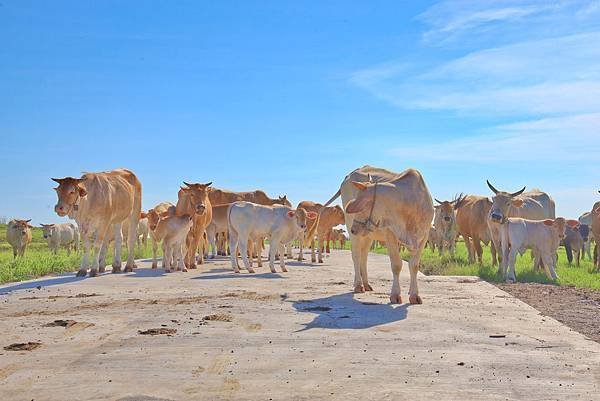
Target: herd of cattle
(395, 209)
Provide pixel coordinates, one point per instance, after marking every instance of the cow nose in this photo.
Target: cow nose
(353, 231)
(200, 208)
(447, 218)
(496, 216)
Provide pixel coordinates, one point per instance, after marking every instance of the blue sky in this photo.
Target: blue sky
(290, 96)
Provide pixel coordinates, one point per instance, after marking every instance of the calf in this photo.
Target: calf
(217, 228)
(575, 239)
(249, 221)
(541, 236)
(172, 230)
(153, 216)
(63, 234)
(586, 219)
(329, 217)
(18, 235)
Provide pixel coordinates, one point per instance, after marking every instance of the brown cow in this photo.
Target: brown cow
(330, 217)
(223, 196)
(471, 217)
(101, 202)
(193, 200)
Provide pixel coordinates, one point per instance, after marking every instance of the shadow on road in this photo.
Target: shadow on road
(343, 311)
(244, 274)
(62, 279)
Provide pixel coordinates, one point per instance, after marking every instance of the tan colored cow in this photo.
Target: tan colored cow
(471, 218)
(445, 225)
(386, 206)
(63, 234)
(173, 230)
(541, 236)
(142, 231)
(339, 238)
(100, 202)
(596, 231)
(532, 205)
(193, 200)
(308, 237)
(153, 216)
(586, 218)
(217, 228)
(18, 235)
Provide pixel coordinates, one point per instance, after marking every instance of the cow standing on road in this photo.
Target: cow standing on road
(18, 235)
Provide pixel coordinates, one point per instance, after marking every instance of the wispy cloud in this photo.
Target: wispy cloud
(573, 138)
(548, 85)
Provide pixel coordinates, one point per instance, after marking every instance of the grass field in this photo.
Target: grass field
(433, 264)
(39, 261)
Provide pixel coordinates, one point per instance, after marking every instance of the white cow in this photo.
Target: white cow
(249, 221)
(541, 236)
(63, 234)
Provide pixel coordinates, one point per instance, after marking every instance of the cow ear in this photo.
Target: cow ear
(291, 213)
(356, 205)
(82, 191)
(311, 215)
(361, 186)
(548, 222)
(517, 202)
(597, 210)
(573, 223)
(143, 215)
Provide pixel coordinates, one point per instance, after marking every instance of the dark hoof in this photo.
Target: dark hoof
(81, 273)
(128, 269)
(116, 270)
(93, 272)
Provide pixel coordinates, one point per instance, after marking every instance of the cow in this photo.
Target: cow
(216, 228)
(99, 203)
(248, 221)
(18, 235)
(329, 217)
(386, 206)
(173, 230)
(339, 238)
(575, 239)
(193, 200)
(596, 232)
(142, 231)
(471, 220)
(223, 196)
(532, 205)
(153, 217)
(586, 219)
(63, 234)
(432, 238)
(445, 225)
(541, 236)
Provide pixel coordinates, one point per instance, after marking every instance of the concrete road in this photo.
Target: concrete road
(300, 335)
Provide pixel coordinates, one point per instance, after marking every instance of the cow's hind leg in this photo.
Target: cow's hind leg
(357, 250)
(363, 267)
(116, 264)
(84, 258)
(396, 262)
(233, 247)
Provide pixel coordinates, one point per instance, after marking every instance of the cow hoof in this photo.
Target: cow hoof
(81, 273)
(321, 261)
(128, 269)
(313, 261)
(167, 270)
(116, 269)
(93, 272)
(415, 299)
(116, 266)
(236, 271)
(251, 271)
(283, 269)
(193, 267)
(154, 266)
(184, 270)
(102, 269)
(396, 298)
(368, 287)
(359, 288)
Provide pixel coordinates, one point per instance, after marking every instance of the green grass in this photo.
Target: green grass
(39, 261)
(433, 264)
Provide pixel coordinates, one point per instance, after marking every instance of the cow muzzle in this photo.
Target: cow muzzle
(200, 208)
(447, 219)
(497, 217)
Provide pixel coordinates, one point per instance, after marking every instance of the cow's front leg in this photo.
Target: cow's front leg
(282, 259)
(321, 248)
(301, 247)
(396, 264)
(413, 265)
(102, 259)
(233, 243)
(243, 245)
(313, 257)
(358, 247)
(98, 242)
(272, 251)
(179, 257)
(363, 267)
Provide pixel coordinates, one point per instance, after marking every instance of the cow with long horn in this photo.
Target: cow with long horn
(532, 205)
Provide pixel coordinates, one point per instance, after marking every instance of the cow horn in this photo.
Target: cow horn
(437, 201)
(518, 192)
(494, 190)
(59, 180)
(208, 185)
(186, 184)
(27, 221)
